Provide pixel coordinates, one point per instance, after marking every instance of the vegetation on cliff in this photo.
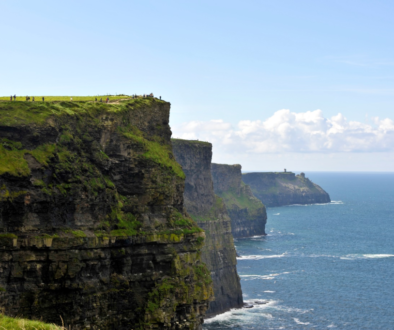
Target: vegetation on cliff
(284, 188)
(209, 211)
(92, 213)
(10, 323)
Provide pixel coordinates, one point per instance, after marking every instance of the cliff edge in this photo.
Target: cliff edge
(284, 188)
(92, 223)
(247, 213)
(209, 211)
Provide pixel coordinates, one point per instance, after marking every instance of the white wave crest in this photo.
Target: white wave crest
(258, 257)
(276, 214)
(262, 277)
(366, 256)
(299, 322)
(244, 313)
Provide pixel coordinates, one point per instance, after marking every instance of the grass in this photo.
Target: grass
(160, 154)
(231, 199)
(174, 141)
(10, 323)
(66, 98)
(18, 113)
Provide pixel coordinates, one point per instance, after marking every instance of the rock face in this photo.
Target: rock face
(92, 223)
(210, 213)
(286, 188)
(247, 213)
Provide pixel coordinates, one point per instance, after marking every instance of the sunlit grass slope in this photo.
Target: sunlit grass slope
(9, 323)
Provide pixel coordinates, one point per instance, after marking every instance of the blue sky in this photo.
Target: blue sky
(215, 60)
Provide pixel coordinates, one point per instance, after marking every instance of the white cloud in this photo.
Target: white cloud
(286, 131)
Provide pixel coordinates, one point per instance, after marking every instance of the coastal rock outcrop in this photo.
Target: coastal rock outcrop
(247, 213)
(92, 223)
(209, 211)
(284, 188)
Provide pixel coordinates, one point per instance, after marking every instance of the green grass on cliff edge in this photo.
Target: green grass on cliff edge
(17, 113)
(10, 323)
(174, 140)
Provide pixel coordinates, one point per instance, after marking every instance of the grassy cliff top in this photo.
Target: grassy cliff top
(49, 98)
(18, 113)
(191, 142)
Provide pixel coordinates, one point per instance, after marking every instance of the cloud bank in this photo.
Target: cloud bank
(286, 131)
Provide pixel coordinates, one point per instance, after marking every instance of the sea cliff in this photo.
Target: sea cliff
(247, 213)
(92, 223)
(209, 211)
(284, 188)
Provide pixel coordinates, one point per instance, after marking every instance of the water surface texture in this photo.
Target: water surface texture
(322, 266)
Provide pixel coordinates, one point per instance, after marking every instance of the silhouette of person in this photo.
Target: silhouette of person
(43, 99)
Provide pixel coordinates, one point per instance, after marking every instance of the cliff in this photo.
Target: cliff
(247, 213)
(92, 223)
(285, 188)
(209, 211)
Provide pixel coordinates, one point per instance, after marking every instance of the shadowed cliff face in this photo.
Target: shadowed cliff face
(247, 213)
(277, 189)
(209, 211)
(92, 223)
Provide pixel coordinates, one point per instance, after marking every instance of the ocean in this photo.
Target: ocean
(327, 266)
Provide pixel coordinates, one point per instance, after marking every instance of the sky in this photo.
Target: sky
(302, 85)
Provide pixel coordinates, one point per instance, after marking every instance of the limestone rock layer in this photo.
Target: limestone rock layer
(209, 211)
(92, 224)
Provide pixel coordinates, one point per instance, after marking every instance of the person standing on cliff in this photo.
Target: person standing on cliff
(11, 98)
(43, 99)
(14, 97)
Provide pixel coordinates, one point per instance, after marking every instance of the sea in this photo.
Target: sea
(321, 266)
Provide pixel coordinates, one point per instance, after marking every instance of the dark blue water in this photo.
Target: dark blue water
(322, 266)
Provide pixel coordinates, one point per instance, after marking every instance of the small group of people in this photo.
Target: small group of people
(134, 96)
(12, 97)
(32, 98)
(101, 100)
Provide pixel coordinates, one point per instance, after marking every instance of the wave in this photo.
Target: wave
(366, 256)
(331, 203)
(299, 322)
(258, 257)
(242, 313)
(276, 214)
(262, 277)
